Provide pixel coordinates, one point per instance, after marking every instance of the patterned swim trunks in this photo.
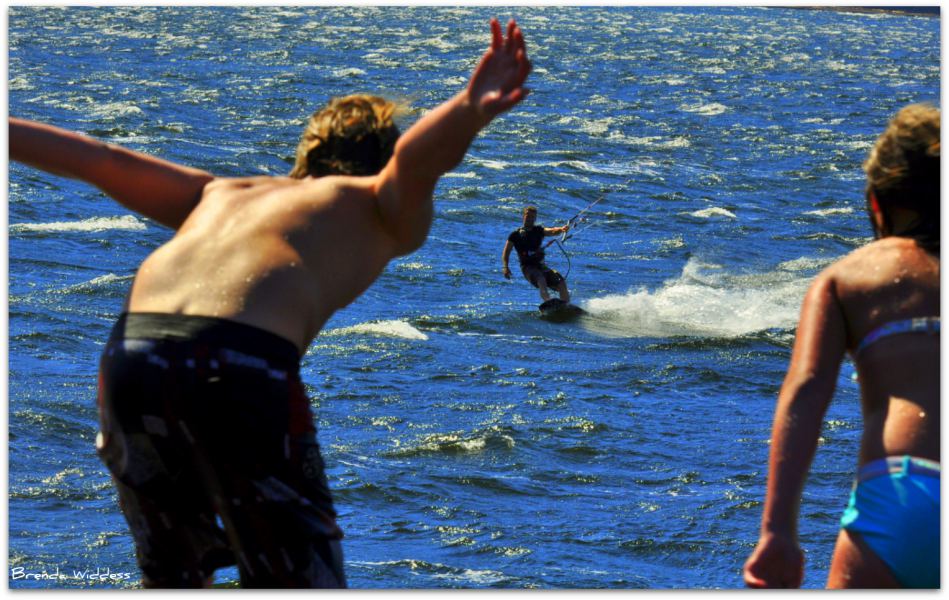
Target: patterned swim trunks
(208, 434)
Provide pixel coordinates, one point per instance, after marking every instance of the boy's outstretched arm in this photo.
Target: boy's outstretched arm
(155, 188)
(439, 140)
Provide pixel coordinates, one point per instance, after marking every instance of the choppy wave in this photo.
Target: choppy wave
(805, 264)
(96, 284)
(455, 443)
(659, 143)
(20, 83)
(711, 109)
(347, 73)
(826, 212)
(714, 211)
(391, 328)
(456, 575)
(413, 266)
(124, 223)
(113, 110)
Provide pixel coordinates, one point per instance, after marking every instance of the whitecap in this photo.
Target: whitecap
(491, 164)
(707, 110)
(413, 266)
(124, 223)
(116, 109)
(440, 44)
(658, 142)
(473, 577)
(596, 126)
(714, 211)
(805, 264)
(676, 142)
(95, 283)
(671, 244)
(840, 66)
(579, 165)
(348, 72)
(20, 83)
(858, 144)
(826, 212)
(451, 82)
(391, 328)
(795, 57)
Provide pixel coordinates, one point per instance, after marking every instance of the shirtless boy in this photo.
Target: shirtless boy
(202, 411)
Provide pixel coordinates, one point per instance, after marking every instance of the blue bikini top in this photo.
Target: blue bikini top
(928, 325)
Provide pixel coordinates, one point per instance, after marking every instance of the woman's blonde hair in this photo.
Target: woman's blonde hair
(903, 167)
(352, 135)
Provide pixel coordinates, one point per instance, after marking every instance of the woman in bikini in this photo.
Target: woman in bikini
(880, 304)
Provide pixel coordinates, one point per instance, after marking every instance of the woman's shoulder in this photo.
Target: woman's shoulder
(881, 262)
(881, 253)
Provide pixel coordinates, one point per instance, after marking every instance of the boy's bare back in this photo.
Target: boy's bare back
(278, 253)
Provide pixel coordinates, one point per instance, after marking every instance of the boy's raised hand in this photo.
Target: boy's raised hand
(497, 82)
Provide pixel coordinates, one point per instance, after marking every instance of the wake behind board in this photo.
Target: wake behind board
(558, 311)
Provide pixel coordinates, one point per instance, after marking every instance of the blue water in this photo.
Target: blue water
(469, 443)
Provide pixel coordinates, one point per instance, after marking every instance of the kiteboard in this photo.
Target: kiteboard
(559, 311)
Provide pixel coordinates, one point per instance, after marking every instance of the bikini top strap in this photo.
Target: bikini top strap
(928, 325)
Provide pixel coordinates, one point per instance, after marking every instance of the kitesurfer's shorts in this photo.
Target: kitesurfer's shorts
(895, 509)
(533, 272)
(210, 440)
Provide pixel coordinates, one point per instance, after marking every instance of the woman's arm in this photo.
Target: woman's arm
(805, 395)
(438, 141)
(157, 189)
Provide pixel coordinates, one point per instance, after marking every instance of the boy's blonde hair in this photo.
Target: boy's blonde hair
(352, 135)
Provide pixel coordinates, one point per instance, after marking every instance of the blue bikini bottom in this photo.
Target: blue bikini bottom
(895, 508)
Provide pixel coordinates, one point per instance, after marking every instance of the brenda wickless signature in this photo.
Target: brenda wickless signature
(98, 574)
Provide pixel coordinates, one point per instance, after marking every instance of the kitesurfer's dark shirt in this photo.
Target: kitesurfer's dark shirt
(527, 243)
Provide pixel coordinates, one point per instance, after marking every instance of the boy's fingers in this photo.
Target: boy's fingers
(511, 27)
(495, 34)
